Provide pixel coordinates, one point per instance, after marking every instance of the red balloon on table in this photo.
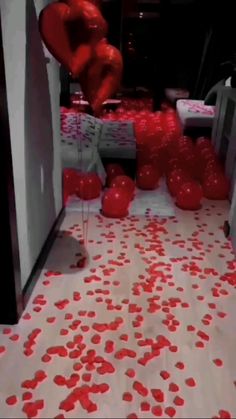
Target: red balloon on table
(115, 203)
(189, 196)
(147, 177)
(90, 186)
(216, 186)
(113, 170)
(124, 182)
(175, 179)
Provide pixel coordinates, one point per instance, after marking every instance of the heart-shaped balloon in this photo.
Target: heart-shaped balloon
(102, 77)
(70, 31)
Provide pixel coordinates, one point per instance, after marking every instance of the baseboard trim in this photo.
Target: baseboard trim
(33, 278)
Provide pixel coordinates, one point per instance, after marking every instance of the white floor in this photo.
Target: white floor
(144, 278)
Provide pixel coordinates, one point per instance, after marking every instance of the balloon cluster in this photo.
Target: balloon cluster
(74, 31)
(86, 186)
(192, 171)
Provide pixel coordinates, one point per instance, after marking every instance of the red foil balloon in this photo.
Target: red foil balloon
(96, 3)
(115, 203)
(70, 30)
(147, 177)
(113, 170)
(90, 186)
(124, 182)
(101, 79)
(216, 186)
(189, 196)
(176, 179)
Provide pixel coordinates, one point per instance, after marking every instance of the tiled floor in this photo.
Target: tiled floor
(145, 329)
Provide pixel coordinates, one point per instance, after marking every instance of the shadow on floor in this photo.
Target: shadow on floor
(68, 255)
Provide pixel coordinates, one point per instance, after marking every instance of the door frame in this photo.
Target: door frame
(11, 299)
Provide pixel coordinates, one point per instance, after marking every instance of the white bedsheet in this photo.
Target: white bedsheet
(193, 113)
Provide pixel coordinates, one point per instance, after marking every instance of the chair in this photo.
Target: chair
(197, 116)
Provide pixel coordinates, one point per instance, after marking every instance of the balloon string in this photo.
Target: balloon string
(85, 214)
(80, 149)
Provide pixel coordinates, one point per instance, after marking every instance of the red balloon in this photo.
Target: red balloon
(207, 154)
(211, 166)
(184, 149)
(172, 164)
(71, 178)
(162, 161)
(90, 186)
(189, 196)
(175, 179)
(115, 203)
(124, 182)
(184, 140)
(147, 177)
(190, 164)
(203, 142)
(216, 186)
(113, 170)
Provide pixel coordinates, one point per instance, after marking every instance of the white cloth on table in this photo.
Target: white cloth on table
(80, 138)
(193, 113)
(117, 140)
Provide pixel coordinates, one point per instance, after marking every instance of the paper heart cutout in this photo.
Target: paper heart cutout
(101, 79)
(70, 31)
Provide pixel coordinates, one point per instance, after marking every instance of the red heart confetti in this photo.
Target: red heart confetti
(178, 401)
(165, 375)
(170, 411)
(158, 395)
(173, 387)
(218, 362)
(157, 411)
(127, 397)
(11, 400)
(190, 382)
(139, 387)
(145, 407)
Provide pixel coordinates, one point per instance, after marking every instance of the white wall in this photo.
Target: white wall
(32, 92)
